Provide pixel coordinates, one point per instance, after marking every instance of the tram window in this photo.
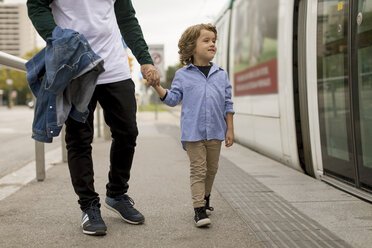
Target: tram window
(332, 78)
(365, 79)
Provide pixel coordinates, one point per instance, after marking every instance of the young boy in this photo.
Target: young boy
(207, 111)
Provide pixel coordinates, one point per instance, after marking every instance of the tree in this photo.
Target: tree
(171, 70)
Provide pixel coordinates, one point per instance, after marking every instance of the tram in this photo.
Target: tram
(301, 73)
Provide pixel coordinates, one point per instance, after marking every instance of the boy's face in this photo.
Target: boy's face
(205, 47)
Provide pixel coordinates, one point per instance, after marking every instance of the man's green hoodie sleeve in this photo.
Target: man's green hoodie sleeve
(131, 31)
(42, 18)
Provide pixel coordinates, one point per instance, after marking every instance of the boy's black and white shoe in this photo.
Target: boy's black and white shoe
(208, 208)
(201, 217)
(123, 206)
(91, 220)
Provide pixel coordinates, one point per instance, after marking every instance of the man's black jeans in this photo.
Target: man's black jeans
(119, 109)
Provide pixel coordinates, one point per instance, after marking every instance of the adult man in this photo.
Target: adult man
(103, 23)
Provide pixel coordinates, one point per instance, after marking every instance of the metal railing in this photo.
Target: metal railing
(12, 62)
(16, 63)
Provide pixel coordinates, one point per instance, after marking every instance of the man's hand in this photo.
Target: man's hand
(150, 73)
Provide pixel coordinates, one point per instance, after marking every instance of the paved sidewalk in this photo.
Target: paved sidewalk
(46, 214)
(258, 202)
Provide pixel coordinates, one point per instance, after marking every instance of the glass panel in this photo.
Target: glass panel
(365, 8)
(255, 47)
(333, 76)
(222, 41)
(365, 80)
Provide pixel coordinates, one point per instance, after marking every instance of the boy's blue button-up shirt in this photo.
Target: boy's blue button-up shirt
(205, 102)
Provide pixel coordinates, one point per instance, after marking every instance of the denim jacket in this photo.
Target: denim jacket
(63, 77)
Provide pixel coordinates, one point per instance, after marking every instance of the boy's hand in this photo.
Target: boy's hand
(150, 73)
(160, 90)
(229, 140)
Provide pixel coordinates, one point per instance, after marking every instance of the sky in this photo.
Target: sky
(163, 21)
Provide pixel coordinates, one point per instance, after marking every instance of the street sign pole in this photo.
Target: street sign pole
(157, 55)
(9, 82)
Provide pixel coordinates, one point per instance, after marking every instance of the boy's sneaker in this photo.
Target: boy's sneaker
(91, 220)
(208, 208)
(123, 206)
(201, 217)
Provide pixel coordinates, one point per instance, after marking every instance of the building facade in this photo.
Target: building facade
(17, 34)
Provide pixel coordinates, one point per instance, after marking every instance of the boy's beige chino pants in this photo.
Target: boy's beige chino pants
(204, 156)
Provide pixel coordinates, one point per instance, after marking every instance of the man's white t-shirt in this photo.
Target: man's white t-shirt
(96, 20)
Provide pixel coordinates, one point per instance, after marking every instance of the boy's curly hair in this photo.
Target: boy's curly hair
(187, 42)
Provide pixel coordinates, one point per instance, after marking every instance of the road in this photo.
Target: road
(17, 147)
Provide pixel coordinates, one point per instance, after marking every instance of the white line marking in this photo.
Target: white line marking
(26, 174)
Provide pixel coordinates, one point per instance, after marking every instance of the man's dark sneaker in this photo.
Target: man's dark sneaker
(208, 208)
(91, 220)
(201, 217)
(123, 206)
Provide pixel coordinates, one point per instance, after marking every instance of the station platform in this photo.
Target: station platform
(258, 202)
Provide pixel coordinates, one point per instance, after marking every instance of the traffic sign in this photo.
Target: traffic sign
(157, 55)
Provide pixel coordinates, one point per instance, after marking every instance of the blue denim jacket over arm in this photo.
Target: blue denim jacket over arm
(62, 77)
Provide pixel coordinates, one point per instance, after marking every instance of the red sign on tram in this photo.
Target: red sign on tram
(261, 79)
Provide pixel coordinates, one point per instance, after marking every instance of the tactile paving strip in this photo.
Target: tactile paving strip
(273, 219)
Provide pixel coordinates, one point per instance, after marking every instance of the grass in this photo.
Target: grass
(150, 107)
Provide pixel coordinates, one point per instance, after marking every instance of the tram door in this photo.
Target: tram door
(363, 90)
(344, 67)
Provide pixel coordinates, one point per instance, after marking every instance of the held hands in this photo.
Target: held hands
(150, 73)
(229, 140)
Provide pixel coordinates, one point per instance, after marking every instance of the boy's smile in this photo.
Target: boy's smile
(205, 48)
